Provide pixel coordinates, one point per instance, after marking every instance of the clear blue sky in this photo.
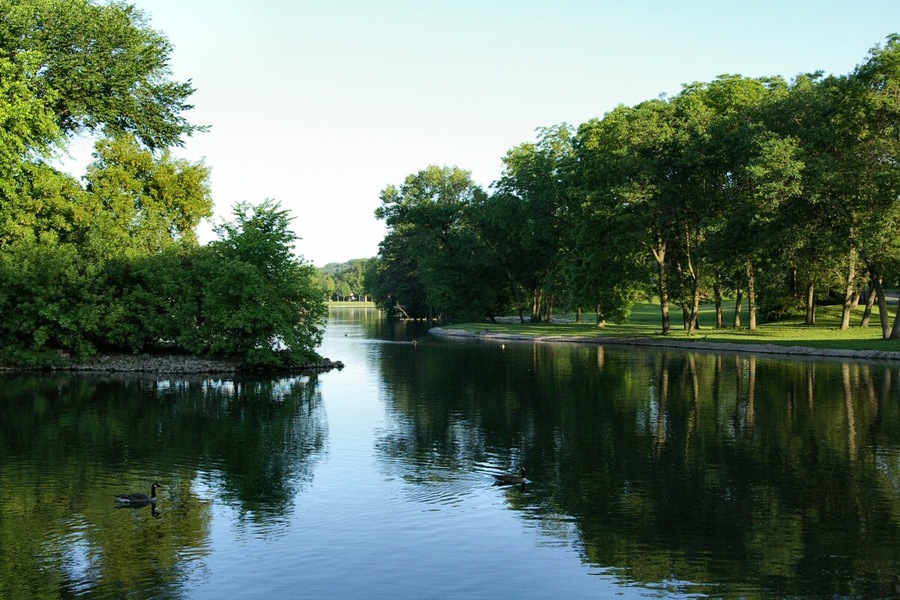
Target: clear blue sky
(321, 104)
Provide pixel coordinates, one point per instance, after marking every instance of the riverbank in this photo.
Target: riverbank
(684, 344)
(172, 364)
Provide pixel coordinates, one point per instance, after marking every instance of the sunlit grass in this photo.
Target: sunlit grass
(347, 303)
(644, 322)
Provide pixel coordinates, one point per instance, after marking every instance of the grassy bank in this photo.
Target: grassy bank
(645, 323)
(348, 304)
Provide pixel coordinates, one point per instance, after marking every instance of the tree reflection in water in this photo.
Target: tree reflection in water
(68, 443)
(777, 476)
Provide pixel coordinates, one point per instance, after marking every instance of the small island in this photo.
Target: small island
(105, 271)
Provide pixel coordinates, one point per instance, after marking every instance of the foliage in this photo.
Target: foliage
(51, 300)
(433, 260)
(95, 67)
(755, 188)
(342, 281)
(258, 302)
(532, 231)
(112, 262)
(145, 202)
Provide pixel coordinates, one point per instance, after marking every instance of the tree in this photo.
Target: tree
(533, 188)
(28, 125)
(258, 301)
(95, 68)
(432, 261)
(870, 118)
(51, 300)
(738, 171)
(343, 280)
(625, 163)
(144, 203)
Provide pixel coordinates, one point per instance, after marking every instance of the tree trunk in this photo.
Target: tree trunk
(720, 315)
(399, 307)
(738, 307)
(895, 331)
(536, 298)
(659, 253)
(695, 305)
(811, 304)
(870, 302)
(849, 290)
(882, 307)
(751, 295)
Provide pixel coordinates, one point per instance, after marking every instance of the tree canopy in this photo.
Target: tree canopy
(95, 67)
(111, 261)
(778, 193)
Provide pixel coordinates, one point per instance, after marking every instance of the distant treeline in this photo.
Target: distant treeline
(344, 281)
(774, 193)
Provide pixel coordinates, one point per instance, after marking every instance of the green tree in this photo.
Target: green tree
(737, 171)
(97, 68)
(51, 300)
(28, 127)
(42, 201)
(532, 190)
(625, 163)
(143, 203)
(346, 279)
(870, 121)
(432, 260)
(326, 283)
(258, 301)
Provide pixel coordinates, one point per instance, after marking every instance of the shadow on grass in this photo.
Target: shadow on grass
(644, 323)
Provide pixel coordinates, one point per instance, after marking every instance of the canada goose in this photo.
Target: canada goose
(138, 499)
(509, 479)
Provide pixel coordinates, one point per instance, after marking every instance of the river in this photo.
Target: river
(650, 473)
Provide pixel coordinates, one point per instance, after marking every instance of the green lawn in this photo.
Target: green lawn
(356, 304)
(645, 323)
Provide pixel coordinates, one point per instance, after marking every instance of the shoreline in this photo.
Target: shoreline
(171, 364)
(699, 345)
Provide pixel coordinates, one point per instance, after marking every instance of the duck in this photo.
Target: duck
(509, 479)
(138, 499)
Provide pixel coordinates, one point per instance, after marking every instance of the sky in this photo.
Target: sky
(322, 104)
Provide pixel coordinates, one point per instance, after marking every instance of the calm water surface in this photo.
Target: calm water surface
(652, 474)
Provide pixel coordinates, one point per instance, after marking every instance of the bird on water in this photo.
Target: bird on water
(509, 479)
(138, 499)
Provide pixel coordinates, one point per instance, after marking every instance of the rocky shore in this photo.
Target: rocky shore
(178, 364)
(794, 351)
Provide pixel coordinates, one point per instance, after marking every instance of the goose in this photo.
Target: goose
(509, 479)
(138, 499)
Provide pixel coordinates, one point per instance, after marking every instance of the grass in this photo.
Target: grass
(354, 304)
(644, 322)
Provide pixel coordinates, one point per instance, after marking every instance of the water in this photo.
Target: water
(652, 474)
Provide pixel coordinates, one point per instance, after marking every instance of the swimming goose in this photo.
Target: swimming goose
(138, 499)
(510, 479)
